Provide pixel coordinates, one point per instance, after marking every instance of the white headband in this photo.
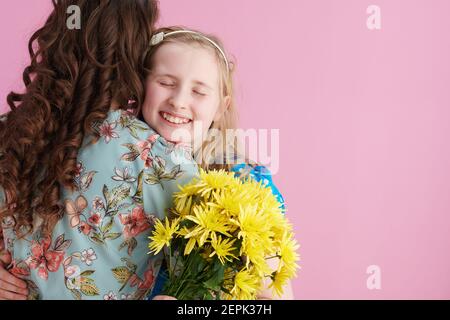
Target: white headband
(159, 37)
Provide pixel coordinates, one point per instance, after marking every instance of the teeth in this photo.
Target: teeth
(175, 120)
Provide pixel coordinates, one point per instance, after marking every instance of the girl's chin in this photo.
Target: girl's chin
(175, 138)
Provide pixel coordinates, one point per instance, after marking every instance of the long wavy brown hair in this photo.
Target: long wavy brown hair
(73, 79)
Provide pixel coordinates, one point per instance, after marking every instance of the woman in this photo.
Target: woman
(82, 178)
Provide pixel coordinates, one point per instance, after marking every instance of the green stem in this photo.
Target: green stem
(176, 282)
(276, 256)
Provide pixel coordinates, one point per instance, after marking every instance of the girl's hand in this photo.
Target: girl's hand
(162, 297)
(11, 287)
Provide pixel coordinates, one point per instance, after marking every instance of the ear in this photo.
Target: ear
(223, 108)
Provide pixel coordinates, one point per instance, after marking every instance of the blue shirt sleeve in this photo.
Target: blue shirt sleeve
(259, 173)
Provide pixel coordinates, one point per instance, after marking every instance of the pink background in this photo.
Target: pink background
(364, 122)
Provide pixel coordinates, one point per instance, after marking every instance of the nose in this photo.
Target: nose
(179, 99)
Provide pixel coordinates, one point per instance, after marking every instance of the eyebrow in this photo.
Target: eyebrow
(198, 82)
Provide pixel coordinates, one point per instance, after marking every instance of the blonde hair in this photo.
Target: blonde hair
(210, 154)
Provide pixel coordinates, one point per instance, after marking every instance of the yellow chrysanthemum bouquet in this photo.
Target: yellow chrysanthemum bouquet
(226, 240)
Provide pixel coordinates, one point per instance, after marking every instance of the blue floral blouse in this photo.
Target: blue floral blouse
(98, 250)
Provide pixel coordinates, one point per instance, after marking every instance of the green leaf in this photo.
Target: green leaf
(123, 244)
(138, 195)
(138, 127)
(133, 132)
(208, 296)
(89, 289)
(111, 213)
(130, 156)
(87, 273)
(133, 148)
(112, 236)
(97, 238)
(33, 290)
(129, 263)
(132, 244)
(151, 179)
(159, 163)
(108, 226)
(178, 175)
(76, 294)
(119, 194)
(175, 170)
(216, 278)
(86, 179)
(167, 176)
(122, 274)
(86, 280)
(106, 194)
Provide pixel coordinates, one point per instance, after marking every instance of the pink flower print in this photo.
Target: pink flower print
(145, 147)
(20, 271)
(98, 204)
(110, 296)
(73, 275)
(79, 169)
(85, 228)
(148, 280)
(43, 259)
(107, 131)
(88, 256)
(95, 218)
(134, 223)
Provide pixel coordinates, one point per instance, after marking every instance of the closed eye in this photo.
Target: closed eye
(199, 93)
(166, 84)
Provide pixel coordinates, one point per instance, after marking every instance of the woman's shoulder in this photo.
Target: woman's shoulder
(122, 126)
(120, 137)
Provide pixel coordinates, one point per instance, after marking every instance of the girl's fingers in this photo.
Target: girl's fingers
(8, 277)
(162, 297)
(12, 288)
(6, 295)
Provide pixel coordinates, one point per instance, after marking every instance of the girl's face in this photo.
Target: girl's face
(182, 88)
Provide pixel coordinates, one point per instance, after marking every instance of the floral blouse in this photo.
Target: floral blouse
(98, 250)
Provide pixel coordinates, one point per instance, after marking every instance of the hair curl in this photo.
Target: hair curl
(72, 80)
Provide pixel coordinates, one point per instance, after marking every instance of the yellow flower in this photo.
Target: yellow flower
(163, 234)
(228, 201)
(289, 256)
(240, 222)
(246, 285)
(215, 180)
(252, 224)
(209, 221)
(279, 225)
(183, 199)
(255, 254)
(279, 279)
(223, 248)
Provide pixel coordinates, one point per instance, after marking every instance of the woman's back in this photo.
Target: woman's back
(99, 249)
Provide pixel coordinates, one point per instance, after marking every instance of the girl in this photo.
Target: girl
(82, 178)
(189, 100)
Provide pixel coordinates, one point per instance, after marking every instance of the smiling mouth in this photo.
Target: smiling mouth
(174, 119)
